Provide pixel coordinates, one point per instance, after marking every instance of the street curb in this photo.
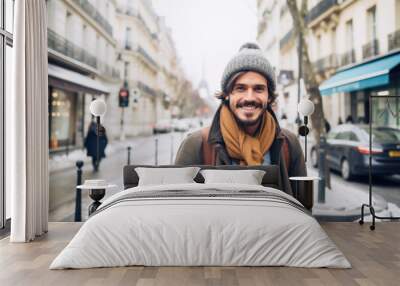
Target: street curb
(88, 159)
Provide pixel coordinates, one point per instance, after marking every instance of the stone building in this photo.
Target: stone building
(82, 65)
(354, 46)
(150, 63)
(97, 47)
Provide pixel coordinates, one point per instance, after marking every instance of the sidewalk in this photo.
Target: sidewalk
(63, 162)
(343, 202)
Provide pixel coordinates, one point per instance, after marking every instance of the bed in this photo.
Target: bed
(201, 224)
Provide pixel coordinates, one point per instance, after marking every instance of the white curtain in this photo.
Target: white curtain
(27, 123)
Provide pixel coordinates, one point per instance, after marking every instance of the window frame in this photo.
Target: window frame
(372, 24)
(6, 40)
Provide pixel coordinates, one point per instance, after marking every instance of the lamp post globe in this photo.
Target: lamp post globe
(98, 107)
(306, 107)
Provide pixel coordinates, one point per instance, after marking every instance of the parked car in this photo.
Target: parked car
(162, 126)
(180, 126)
(348, 150)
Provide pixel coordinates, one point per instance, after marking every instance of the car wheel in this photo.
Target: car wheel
(346, 171)
(314, 158)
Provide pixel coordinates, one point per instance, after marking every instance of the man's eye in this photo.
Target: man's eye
(259, 89)
(239, 88)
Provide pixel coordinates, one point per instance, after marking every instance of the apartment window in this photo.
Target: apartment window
(69, 32)
(107, 11)
(333, 41)
(98, 48)
(84, 35)
(318, 53)
(127, 38)
(6, 44)
(371, 23)
(349, 35)
(126, 70)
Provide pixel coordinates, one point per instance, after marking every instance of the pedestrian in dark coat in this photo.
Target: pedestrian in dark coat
(91, 144)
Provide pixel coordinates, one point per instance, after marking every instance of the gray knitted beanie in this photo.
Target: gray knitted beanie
(249, 58)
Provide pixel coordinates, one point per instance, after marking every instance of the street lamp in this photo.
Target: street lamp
(98, 108)
(305, 108)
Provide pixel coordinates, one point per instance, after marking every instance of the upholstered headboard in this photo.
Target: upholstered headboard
(270, 179)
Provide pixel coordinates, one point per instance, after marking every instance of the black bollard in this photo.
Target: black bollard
(321, 169)
(129, 155)
(78, 199)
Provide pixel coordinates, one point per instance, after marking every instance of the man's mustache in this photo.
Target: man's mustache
(249, 103)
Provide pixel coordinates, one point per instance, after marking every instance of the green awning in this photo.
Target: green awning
(366, 75)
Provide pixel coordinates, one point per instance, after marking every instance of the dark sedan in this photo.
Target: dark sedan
(348, 150)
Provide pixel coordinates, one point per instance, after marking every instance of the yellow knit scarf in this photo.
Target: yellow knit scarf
(248, 149)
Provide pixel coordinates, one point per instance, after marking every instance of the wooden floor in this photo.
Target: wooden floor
(374, 255)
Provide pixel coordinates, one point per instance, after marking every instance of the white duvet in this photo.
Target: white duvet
(183, 231)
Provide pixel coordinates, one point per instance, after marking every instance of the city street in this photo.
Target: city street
(62, 183)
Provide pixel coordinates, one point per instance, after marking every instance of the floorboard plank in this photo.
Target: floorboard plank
(374, 255)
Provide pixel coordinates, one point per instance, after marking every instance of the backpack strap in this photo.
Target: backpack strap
(208, 151)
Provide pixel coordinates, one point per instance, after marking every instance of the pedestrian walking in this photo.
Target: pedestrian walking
(349, 119)
(91, 144)
(327, 126)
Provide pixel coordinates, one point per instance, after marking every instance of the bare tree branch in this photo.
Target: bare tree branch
(299, 25)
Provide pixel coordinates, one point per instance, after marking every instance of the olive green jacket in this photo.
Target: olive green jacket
(190, 152)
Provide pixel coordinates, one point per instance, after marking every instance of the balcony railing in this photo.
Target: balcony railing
(319, 9)
(394, 40)
(130, 11)
(145, 26)
(95, 15)
(142, 51)
(371, 49)
(145, 88)
(107, 70)
(67, 48)
(329, 62)
(348, 58)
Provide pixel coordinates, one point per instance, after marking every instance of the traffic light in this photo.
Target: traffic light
(123, 97)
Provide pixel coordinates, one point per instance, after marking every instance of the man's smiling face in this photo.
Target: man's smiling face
(249, 97)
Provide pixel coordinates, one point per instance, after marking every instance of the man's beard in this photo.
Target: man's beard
(248, 123)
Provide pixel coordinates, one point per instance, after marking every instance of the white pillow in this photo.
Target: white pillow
(249, 177)
(163, 176)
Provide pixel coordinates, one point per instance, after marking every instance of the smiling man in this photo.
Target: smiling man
(245, 130)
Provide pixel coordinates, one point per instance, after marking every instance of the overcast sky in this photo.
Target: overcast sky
(209, 32)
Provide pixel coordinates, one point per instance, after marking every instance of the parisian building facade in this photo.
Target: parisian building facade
(98, 47)
(342, 35)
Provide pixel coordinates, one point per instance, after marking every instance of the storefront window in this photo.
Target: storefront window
(62, 119)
